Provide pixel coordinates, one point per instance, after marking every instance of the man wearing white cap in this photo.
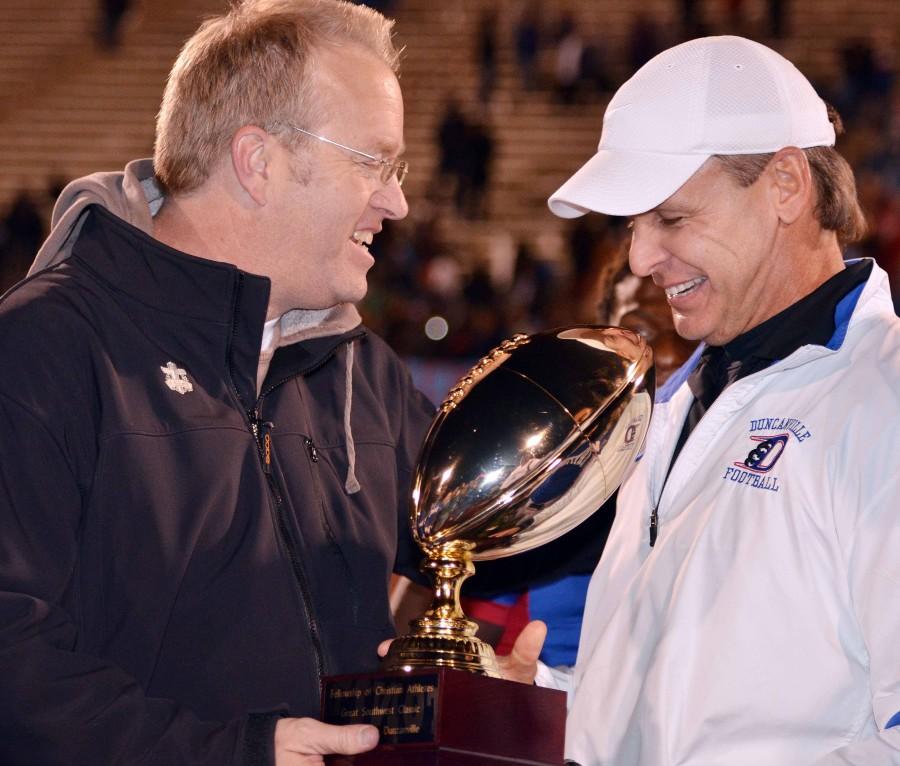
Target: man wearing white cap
(746, 610)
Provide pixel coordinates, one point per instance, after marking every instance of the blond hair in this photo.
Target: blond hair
(251, 66)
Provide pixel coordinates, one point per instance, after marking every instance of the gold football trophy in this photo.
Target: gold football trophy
(527, 445)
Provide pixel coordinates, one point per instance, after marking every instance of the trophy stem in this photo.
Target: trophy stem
(444, 637)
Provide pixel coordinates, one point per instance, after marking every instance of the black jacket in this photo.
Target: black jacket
(159, 578)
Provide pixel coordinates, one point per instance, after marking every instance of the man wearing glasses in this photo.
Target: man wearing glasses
(205, 457)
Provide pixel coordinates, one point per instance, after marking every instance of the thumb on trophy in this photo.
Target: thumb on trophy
(521, 663)
(299, 740)
(384, 646)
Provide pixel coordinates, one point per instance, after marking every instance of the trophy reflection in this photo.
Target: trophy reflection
(532, 440)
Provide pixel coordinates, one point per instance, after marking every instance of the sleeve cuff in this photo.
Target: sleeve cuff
(554, 678)
(259, 739)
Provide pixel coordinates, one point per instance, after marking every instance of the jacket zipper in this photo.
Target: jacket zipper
(254, 420)
(654, 513)
(261, 432)
(265, 449)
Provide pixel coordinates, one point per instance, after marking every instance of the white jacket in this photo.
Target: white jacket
(763, 629)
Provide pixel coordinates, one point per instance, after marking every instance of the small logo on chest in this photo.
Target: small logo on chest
(763, 457)
(767, 449)
(177, 379)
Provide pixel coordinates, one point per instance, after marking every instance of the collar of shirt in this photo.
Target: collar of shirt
(808, 321)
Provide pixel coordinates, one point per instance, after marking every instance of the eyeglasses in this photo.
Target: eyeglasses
(386, 168)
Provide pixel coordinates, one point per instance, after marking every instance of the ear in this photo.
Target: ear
(251, 159)
(792, 184)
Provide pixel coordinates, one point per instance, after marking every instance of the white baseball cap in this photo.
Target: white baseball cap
(713, 95)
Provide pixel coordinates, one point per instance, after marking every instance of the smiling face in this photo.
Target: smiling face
(717, 250)
(328, 203)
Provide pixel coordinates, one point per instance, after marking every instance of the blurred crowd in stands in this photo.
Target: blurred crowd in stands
(434, 302)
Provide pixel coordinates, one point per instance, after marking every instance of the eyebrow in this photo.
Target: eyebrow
(388, 148)
(675, 207)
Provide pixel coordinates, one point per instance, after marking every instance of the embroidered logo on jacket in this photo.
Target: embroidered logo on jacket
(767, 448)
(177, 379)
(762, 458)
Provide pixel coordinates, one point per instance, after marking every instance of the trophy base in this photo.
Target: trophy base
(442, 643)
(448, 718)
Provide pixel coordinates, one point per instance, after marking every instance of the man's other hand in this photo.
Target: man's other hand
(303, 741)
(521, 663)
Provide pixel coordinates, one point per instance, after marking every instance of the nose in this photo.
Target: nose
(391, 200)
(646, 253)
